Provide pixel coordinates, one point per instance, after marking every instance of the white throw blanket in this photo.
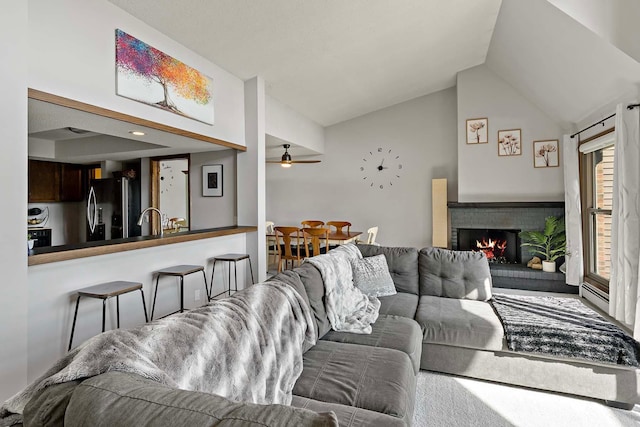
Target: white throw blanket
(348, 309)
(247, 347)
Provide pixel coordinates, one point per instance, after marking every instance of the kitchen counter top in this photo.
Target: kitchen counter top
(50, 254)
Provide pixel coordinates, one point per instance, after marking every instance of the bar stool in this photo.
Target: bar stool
(178, 271)
(234, 258)
(104, 291)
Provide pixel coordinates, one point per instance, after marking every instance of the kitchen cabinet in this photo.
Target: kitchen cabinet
(54, 182)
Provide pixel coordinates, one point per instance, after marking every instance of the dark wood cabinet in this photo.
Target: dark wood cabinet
(54, 182)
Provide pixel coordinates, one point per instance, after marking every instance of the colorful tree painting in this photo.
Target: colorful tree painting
(141, 66)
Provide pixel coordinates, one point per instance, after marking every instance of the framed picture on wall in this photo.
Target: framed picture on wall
(212, 180)
(546, 154)
(510, 142)
(477, 131)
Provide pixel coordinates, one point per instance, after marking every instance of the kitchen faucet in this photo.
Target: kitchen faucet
(159, 214)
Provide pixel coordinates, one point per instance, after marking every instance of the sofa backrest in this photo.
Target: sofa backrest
(403, 265)
(454, 274)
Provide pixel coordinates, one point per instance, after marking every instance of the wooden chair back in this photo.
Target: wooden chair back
(287, 245)
(313, 240)
(312, 223)
(340, 226)
(372, 233)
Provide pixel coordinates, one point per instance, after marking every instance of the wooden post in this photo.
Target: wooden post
(440, 213)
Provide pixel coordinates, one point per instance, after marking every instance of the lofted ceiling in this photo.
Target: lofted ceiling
(332, 60)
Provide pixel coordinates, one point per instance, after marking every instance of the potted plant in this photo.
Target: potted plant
(550, 244)
(30, 241)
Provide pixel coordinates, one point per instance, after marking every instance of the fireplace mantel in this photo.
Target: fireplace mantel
(502, 205)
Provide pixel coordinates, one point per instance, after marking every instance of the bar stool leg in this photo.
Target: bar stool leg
(229, 289)
(206, 288)
(144, 307)
(235, 275)
(155, 295)
(73, 326)
(211, 284)
(104, 312)
(118, 311)
(181, 294)
(251, 270)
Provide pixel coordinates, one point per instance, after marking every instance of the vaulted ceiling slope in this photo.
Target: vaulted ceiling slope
(560, 65)
(332, 60)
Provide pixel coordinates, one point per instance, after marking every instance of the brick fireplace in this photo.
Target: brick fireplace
(509, 217)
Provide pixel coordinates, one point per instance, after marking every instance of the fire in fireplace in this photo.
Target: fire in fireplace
(499, 245)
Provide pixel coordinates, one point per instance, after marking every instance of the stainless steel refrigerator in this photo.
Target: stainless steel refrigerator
(113, 207)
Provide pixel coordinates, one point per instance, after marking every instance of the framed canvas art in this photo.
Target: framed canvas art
(546, 154)
(477, 131)
(146, 74)
(510, 142)
(212, 180)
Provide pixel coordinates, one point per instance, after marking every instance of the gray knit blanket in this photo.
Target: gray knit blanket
(247, 347)
(348, 309)
(563, 327)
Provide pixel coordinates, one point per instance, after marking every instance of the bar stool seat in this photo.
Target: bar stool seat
(178, 271)
(234, 258)
(104, 291)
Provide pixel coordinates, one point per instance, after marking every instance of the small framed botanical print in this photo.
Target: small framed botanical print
(510, 142)
(477, 131)
(546, 154)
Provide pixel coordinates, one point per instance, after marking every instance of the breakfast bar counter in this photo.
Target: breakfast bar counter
(67, 252)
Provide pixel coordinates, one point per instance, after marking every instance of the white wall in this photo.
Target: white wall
(483, 176)
(174, 188)
(291, 126)
(13, 176)
(209, 212)
(71, 54)
(52, 299)
(422, 132)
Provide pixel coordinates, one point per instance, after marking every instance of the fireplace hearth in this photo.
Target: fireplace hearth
(501, 246)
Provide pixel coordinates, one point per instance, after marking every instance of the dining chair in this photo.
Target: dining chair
(288, 249)
(313, 244)
(339, 226)
(312, 223)
(271, 243)
(372, 233)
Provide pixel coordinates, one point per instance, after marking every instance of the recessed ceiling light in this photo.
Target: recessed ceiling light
(136, 132)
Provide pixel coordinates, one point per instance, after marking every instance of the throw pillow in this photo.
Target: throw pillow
(371, 275)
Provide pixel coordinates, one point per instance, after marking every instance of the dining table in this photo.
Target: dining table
(336, 238)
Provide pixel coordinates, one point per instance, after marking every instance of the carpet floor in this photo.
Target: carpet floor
(448, 401)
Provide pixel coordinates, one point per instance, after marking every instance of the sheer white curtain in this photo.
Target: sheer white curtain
(572, 211)
(624, 292)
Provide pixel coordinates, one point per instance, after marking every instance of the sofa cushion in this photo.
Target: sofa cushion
(398, 333)
(118, 398)
(460, 322)
(312, 281)
(454, 274)
(371, 276)
(48, 406)
(402, 262)
(373, 378)
(348, 416)
(400, 304)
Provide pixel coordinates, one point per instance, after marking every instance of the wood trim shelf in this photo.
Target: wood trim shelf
(77, 105)
(497, 205)
(69, 252)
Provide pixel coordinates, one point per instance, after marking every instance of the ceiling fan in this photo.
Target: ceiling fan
(286, 161)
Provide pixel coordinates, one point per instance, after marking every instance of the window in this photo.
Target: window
(597, 191)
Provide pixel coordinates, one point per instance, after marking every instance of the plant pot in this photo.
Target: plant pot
(549, 266)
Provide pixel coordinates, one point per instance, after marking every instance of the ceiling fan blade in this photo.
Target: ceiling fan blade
(305, 161)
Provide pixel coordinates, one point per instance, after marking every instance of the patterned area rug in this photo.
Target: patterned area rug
(563, 327)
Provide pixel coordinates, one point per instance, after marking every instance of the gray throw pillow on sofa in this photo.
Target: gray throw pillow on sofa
(371, 276)
(454, 274)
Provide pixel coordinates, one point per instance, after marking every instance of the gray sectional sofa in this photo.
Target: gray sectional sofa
(439, 320)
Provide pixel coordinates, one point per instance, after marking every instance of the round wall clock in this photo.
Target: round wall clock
(380, 168)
